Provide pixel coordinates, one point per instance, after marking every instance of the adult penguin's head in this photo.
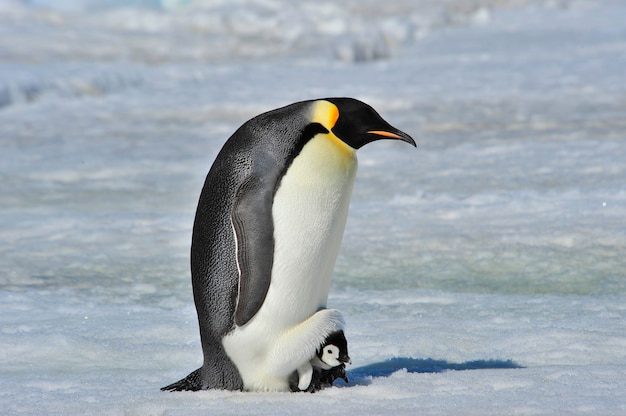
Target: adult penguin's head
(358, 124)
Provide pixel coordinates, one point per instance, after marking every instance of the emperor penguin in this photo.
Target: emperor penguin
(266, 235)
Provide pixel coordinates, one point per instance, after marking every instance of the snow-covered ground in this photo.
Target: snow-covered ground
(483, 273)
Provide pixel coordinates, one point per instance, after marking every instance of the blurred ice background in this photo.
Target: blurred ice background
(498, 245)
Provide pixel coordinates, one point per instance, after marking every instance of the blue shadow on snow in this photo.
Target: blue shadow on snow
(363, 375)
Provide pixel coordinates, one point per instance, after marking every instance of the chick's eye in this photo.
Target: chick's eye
(329, 351)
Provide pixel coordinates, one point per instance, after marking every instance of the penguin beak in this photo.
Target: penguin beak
(398, 135)
(345, 359)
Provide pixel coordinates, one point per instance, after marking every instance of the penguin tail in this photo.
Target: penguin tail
(193, 382)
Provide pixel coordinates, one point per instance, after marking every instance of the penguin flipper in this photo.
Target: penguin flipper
(254, 236)
(305, 374)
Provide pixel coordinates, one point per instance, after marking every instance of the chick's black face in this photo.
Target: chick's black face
(338, 341)
(359, 124)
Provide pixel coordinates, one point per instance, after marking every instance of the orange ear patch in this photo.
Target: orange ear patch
(325, 113)
(333, 115)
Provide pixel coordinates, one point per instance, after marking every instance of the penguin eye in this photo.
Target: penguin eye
(329, 351)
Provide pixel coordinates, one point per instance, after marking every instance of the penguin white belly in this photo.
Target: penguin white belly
(309, 212)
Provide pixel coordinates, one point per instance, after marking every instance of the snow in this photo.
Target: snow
(481, 273)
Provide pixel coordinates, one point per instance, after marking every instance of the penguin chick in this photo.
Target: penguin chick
(333, 353)
(327, 365)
